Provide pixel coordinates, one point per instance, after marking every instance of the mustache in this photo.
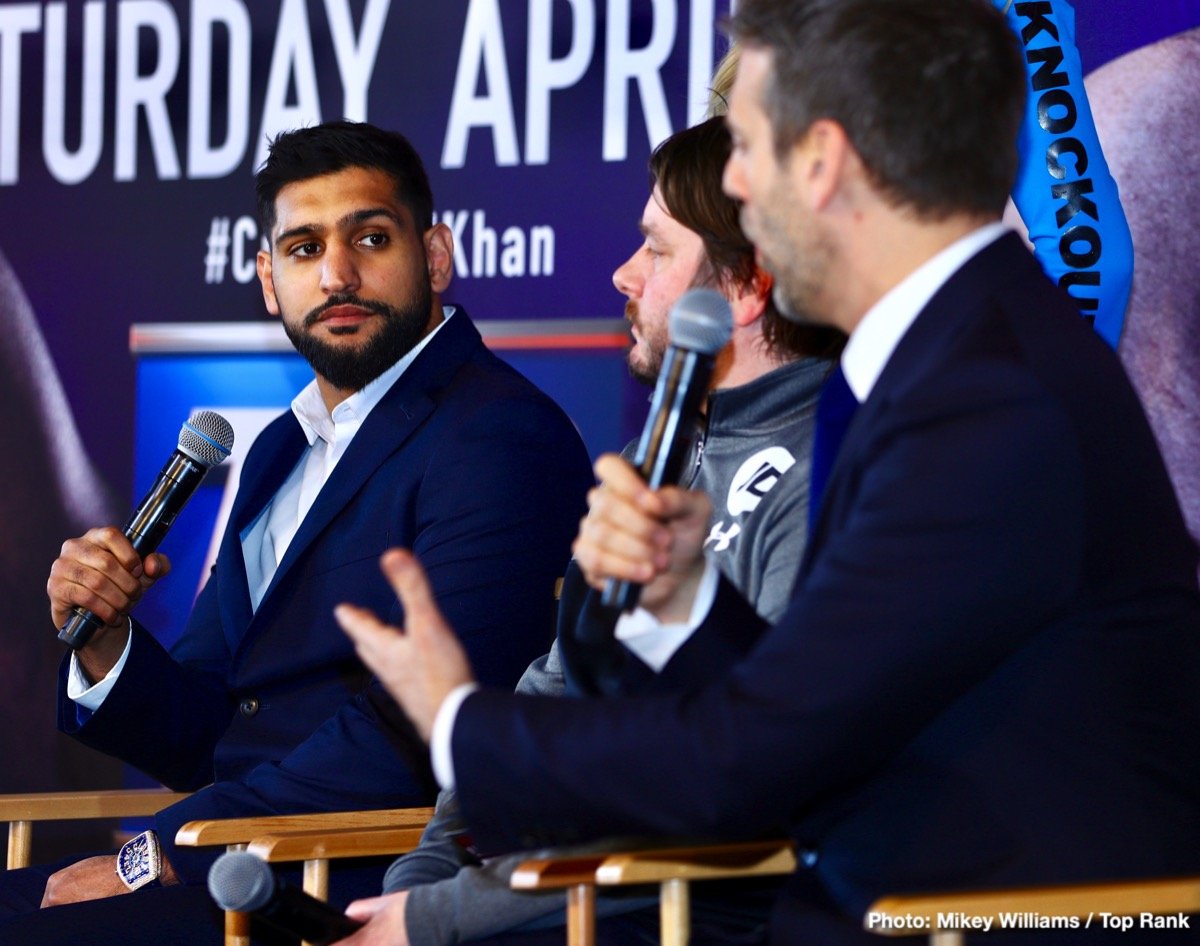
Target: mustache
(348, 298)
(631, 310)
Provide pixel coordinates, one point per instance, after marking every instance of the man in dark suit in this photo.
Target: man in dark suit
(412, 432)
(988, 671)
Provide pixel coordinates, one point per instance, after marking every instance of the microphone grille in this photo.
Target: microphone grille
(206, 437)
(701, 321)
(240, 881)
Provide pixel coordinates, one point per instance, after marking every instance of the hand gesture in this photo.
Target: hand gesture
(420, 664)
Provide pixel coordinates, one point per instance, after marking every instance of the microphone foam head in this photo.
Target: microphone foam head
(206, 437)
(701, 321)
(240, 881)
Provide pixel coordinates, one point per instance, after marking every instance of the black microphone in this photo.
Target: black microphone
(204, 441)
(240, 881)
(699, 325)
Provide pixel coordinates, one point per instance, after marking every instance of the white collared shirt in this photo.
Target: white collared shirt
(265, 541)
(878, 332)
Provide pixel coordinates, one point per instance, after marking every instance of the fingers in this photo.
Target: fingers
(370, 635)
(366, 908)
(420, 665)
(411, 585)
(100, 572)
(155, 566)
(625, 534)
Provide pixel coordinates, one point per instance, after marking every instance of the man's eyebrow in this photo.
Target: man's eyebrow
(305, 229)
(351, 219)
(362, 216)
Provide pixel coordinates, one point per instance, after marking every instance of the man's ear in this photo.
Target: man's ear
(749, 301)
(439, 256)
(265, 276)
(819, 162)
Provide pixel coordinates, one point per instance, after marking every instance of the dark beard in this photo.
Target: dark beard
(643, 374)
(352, 368)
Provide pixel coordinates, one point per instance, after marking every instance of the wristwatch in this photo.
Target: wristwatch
(139, 862)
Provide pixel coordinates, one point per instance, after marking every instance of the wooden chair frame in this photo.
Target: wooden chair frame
(23, 811)
(673, 869)
(319, 838)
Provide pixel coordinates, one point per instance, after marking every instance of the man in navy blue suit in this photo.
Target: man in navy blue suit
(988, 673)
(411, 432)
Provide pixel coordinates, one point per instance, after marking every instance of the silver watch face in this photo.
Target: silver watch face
(138, 861)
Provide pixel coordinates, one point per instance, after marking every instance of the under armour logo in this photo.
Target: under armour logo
(720, 540)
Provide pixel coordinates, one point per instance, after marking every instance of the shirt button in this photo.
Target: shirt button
(248, 707)
(808, 857)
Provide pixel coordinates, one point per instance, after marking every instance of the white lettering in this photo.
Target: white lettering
(15, 19)
(71, 167)
(544, 73)
(242, 266)
(541, 251)
(483, 246)
(457, 222)
(291, 60)
(700, 59)
(520, 252)
(356, 60)
(621, 64)
(482, 45)
(205, 160)
(146, 93)
(512, 256)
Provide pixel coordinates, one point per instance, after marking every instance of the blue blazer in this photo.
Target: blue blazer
(989, 673)
(463, 461)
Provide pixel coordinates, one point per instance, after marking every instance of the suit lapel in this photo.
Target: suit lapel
(280, 445)
(394, 419)
(947, 313)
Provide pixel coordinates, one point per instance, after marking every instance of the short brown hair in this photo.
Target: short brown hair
(930, 94)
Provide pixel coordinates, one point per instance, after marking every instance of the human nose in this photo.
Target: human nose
(338, 270)
(626, 278)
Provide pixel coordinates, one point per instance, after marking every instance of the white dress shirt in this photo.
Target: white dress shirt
(265, 541)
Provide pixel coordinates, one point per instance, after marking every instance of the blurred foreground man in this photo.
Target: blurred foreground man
(987, 674)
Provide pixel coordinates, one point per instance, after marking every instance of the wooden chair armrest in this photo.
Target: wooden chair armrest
(670, 867)
(361, 842)
(244, 830)
(317, 848)
(21, 811)
(556, 872)
(702, 862)
(918, 914)
(70, 806)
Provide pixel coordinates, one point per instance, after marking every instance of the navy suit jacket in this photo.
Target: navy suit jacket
(989, 673)
(463, 461)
